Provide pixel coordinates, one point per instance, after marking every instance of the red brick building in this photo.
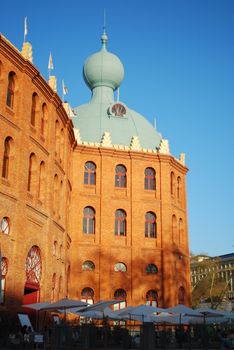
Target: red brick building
(91, 211)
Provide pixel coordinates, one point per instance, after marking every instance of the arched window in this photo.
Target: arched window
(11, 90)
(120, 176)
(53, 288)
(181, 230)
(120, 223)
(88, 266)
(172, 183)
(87, 295)
(34, 108)
(151, 269)
(5, 225)
(41, 189)
(6, 157)
(57, 139)
(56, 194)
(150, 182)
(44, 118)
(150, 225)
(178, 187)
(4, 270)
(120, 295)
(89, 220)
(31, 171)
(181, 295)
(90, 173)
(33, 265)
(151, 297)
(61, 146)
(120, 267)
(55, 248)
(174, 229)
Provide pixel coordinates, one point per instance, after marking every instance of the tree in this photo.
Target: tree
(210, 286)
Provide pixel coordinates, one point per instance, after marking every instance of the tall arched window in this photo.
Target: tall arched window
(61, 146)
(41, 189)
(55, 248)
(150, 182)
(44, 120)
(181, 295)
(57, 137)
(174, 229)
(151, 269)
(172, 183)
(120, 223)
(5, 225)
(56, 194)
(120, 176)
(87, 295)
(33, 265)
(150, 225)
(151, 297)
(89, 220)
(31, 171)
(6, 157)
(11, 90)
(90, 173)
(181, 230)
(178, 187)
(34, 108)
(53, 288)
(4, 270)
(120, 295)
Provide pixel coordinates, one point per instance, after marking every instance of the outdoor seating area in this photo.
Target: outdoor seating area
(70, 324)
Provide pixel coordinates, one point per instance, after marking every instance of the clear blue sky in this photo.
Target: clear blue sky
(179, 67)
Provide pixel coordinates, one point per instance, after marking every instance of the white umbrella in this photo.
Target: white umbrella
(182, 310)
(208, 312)
(101, 305)
(64, 304)
(171, 319)
(36, 306)
(141, 312)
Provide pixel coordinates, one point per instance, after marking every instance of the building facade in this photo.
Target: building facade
(220, 267)
(95, 210)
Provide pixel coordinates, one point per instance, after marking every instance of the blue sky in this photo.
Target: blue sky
(178, 57)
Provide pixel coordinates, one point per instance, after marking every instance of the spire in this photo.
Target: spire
(104, 37)
(26, 51)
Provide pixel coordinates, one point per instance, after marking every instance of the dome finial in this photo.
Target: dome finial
(104, 37)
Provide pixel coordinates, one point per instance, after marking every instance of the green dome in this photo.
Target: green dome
(104, 118)
(103, 69)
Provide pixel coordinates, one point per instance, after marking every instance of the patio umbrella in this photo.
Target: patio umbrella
(64, 304)
(141, 312)
(208, 312)
(182, 310)
(100, 306)
(36, 306)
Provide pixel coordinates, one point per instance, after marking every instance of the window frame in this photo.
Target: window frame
(150, 179)
(150, 225)
(120, 223)
(89, 220)
(120, 176)
(90, 173)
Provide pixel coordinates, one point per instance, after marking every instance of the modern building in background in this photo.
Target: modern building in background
(92, 204)
(221, 266)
